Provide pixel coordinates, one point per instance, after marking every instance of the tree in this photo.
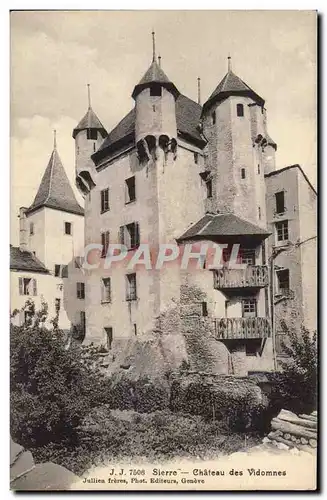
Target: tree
(51, 388)
(298, 382)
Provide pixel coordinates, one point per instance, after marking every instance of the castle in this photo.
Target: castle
(174, 172)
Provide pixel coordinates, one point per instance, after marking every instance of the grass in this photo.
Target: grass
(112, 436)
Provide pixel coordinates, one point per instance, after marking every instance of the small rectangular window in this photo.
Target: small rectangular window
(283, 280)
(213, 118)
(242, 173)
(259, 213)
(105, 243)
(64, 271)
(92, 134)
(106, 290)
(31, 228)
(61, 271)
(249, 308)
(196, 158)
(282, 230)
(130, 235)
(209, 188)
(68, 228)
(280, 202)
(131, 286)
(80, 289)
(135, 329)
(240, 109)
(27, 286)
(57, 270)
(83, 322)
(155, 90)
(130, 192)
(258, 168)
(204, 308)
(104, 200)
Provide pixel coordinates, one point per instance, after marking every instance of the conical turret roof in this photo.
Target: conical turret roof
(90, 121)
(230, 85)
(55, 190)
(155, 74)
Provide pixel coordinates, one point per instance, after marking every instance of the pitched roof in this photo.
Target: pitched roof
(25, 261)
(213, 225)
(55, 190)
(231, 84)
(89, 121)
(154, 75)
(188, 115)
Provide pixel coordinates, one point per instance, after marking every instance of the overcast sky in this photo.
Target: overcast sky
(55, 54)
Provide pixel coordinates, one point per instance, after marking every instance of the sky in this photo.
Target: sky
(55, 54)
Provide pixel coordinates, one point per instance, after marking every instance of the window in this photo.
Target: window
(104, 200)
(130, 235)
(31, 228)
(61, 271)
(209, 188)
(57, 305)
(68, 228)
(109, 335)
(106, 290)
(155, 90)
(258, 168)
(249, 308)
(92, 134)
(105, 243)
(280, 202)
(131, 286)
(27, 286)
(135, 329)
(83, 322)
(213, 118)
(242, 173)
(204, 308)
(248, 256)
(259, 213)
(80, 289)
(196, 158)
(282, 230)
(283, 280)
(130, 194)
(239, 109)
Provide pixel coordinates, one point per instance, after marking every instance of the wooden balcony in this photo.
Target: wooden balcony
(242, 328)
(249, 277)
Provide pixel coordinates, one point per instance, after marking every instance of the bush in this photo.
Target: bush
(143, 395)
(237, 402)
(296, 385)
(51, 390)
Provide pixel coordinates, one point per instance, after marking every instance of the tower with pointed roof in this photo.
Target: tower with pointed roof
(89, 135)
(155, 111)
(51, 241)
(239, 149)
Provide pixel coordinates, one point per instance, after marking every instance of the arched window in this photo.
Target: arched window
(242, 173)
(240, 109)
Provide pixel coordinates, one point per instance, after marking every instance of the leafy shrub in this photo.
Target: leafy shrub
(143, 395)
(237, 402)
(296, 385)
(51, 390)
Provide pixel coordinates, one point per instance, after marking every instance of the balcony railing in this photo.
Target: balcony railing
(242, 328)
(249, 277)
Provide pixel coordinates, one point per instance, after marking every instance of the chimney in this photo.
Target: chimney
(23, 235)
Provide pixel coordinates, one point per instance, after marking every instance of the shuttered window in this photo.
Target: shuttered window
(105, 290)
(80, 287)
(129, 235)
(104, 200)
(131, 286)
(27, 286)
(105, 243)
